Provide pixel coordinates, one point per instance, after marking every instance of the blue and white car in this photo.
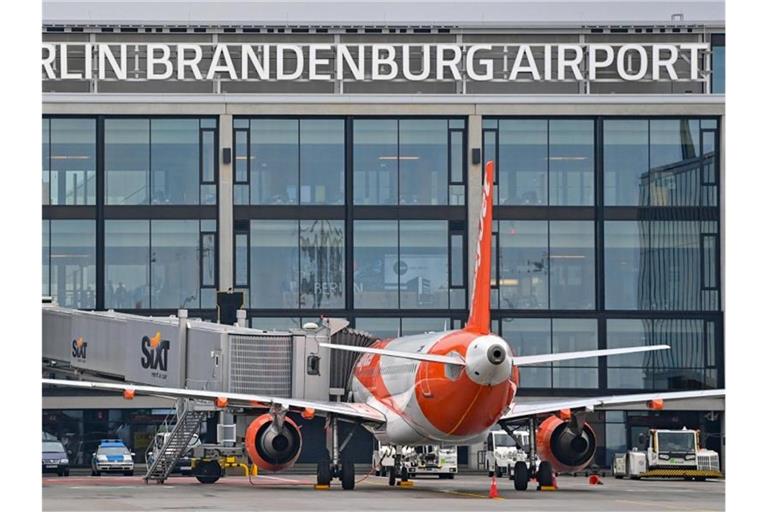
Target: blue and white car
(112, 456)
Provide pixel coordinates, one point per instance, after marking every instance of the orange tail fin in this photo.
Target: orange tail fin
(480, 306)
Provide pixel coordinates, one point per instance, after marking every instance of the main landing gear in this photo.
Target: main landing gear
(331, 464)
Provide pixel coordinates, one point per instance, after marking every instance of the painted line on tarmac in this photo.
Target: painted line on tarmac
(649, 505)
(465, 494)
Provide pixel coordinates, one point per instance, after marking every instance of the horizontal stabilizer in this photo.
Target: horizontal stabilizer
(431, 358)
(549, 358)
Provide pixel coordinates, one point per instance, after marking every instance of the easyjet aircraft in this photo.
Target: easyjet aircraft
(447, 387)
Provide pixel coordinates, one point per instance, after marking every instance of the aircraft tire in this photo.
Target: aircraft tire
(545, 475)
(521, 476)
(347, 474)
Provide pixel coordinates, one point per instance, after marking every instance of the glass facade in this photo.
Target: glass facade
(606, 230)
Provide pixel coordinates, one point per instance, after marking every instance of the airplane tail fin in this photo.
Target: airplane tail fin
(480, 306)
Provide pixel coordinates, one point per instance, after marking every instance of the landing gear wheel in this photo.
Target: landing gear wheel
(392, 475)
(490, 473)
(545, 476)
(403, 474)
(498, 472)
(208, 472)
(324, 470)
(521, 476)
(347, 474)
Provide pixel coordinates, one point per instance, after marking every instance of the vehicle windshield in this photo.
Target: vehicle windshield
(503, 440)
(51, 446)
(113, 451)
(676, 441)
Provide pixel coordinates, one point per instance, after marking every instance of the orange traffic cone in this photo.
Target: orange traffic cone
(595, 480)
(494, 491)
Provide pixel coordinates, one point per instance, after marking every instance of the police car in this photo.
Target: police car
(112, 456)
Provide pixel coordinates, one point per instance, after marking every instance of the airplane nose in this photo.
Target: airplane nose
(496, 354)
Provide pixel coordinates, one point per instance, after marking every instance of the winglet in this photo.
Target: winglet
(480, 306)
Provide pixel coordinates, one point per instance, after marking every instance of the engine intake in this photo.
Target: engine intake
(565, 445)
(270, 447)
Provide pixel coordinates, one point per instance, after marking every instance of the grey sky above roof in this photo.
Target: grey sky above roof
(466, 13)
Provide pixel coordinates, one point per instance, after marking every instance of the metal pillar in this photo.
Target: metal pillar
(226, 211)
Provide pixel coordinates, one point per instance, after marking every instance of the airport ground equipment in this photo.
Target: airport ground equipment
(504, 450)
(175, 445)
(418, 460)
(668, 454)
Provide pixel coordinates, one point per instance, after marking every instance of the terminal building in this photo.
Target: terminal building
(358, 197)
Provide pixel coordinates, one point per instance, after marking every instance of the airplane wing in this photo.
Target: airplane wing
(416, 356)
(351, 410)
(566, 356)
(529, 409)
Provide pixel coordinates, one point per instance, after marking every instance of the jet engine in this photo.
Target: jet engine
(273, 443)
(567, 445)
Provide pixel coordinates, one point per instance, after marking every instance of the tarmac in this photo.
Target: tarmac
(296, 492)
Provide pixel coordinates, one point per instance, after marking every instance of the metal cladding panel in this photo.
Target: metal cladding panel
(96, 342)
(261, 364)
(152, 353)
(342, 362)
(57, 330)
(205, 369)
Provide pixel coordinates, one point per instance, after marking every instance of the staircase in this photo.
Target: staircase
(168, 452)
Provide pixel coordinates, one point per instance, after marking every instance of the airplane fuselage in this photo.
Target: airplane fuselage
(428, 402)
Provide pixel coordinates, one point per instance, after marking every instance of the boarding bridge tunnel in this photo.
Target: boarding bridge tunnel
(180, 352)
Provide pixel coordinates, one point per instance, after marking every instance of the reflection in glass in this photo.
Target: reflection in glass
(572, 265)
(322, 161)
(522, 167)
(381, 328)
(46, 257)
(46, 161)
(73, 161)
(175, 264)
(718, 69)
(126, 161)
(126, 260)
(274, 264)
(623, 249)
(375, 260)
(572, 335)
(423, 161)
(375, 160)
(422, 325)
(629, 371)
(571, 162)
(674, 177)
(524, 276)
(625, 161)
(274, 161)
(322, 264)
(175, 158)
(422, 268)
(73, 263)
(529, 337)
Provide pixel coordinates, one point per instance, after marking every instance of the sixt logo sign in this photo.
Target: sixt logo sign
(155, 354)
(79, 347)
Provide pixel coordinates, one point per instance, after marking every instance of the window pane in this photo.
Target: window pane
(629, 371)
(524, 278)
(718, 69)
(573, 335)
(274, 264)
(175, 264)
(382, 328)
(126, 260)
(46, 139)
(522, 173)
(322, 264)
(274, 161)
(423, 161)
(571, 162)
(681, 367)
(624, 244)
(46, 257)
(73, 161)
(241, 156)
(457, 157)
(625, 159)
(126, 161)
(675, 168)
(322, 161)
(275, 323)
(175, 161)
(572, 265)
(423, 325)
(529, 337)
(423, 264)
(376, 264)
(209, 259)
(375, 161)
(73, 263)
(241, 259)
(457, 260)
(674, 265)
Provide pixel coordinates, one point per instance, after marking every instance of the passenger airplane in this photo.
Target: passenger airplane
(447, 387)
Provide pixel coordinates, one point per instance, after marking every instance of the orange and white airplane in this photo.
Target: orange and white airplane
(447, 387)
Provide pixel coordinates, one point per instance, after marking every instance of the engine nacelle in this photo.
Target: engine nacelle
(565, 449)
(271, 448)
